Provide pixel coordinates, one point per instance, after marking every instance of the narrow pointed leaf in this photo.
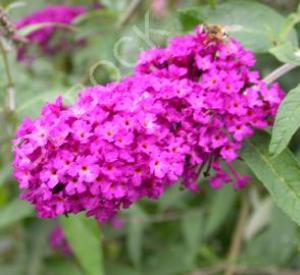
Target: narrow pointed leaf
(281, 175)
(288, 25)
(192, 229)
(287, 122)
(85, 238)
(136, 228)
(220, 207)
(15, 211)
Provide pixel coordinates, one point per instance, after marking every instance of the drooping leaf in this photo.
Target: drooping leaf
(14, 211)
(84, 237)
(193, 229)
(37, 248)
(287, 122)
(135, 231)
(281, 175)
(219, 209)
(286, 53)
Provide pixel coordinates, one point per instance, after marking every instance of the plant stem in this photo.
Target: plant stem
(129, 12)
(236, 242)
(282, 70)
(10, 84)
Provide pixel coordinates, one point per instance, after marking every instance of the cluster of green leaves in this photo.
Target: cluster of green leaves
(181, 232)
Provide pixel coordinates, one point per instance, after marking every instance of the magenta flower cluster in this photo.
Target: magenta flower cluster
(184, 114)
(53, 38)
(226, 98)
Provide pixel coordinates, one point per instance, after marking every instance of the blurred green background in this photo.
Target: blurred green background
(182, 233)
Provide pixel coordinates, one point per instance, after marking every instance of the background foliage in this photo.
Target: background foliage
(213, 232)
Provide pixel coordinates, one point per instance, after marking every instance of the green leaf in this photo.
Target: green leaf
(193, 229)
(36, 250)
(115, 268)
(116, 5)
(212, 3)
(264, 251)
(287, 122)
(135, 231)
(174, 198)
(190, 17)
(10, 270)
(94, 22)
(5, 174)
(288, 25)
(84, 237)
(168, 261)
(256, 25)
(222, 204)
(105, 15)
(286, 53)
(62, 267)
(29, 105)
(15, 211)
(281, 175)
